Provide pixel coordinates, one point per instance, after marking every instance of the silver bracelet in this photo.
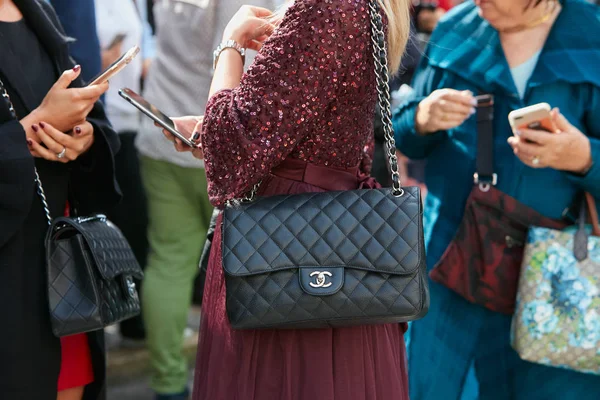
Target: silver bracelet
(229, 44)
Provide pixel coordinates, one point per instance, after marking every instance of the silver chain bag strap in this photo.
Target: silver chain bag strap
(90, 268)
(331, 259)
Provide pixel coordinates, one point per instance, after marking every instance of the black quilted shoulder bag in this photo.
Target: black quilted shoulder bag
(90, 268)
(332, 259)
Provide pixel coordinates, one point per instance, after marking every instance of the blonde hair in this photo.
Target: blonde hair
(398, 17)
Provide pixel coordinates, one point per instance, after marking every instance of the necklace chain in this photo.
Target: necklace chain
(543, 19)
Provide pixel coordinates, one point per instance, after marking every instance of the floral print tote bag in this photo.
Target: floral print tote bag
(557, 317)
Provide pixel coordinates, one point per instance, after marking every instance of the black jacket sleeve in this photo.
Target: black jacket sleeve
(93, 184)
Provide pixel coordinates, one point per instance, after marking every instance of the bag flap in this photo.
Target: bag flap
(109, 248)
(361, 229)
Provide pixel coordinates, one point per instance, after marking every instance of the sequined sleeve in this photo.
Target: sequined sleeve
(252, 128)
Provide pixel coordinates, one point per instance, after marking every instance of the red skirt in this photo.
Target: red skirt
(355, 363)
(76, 367)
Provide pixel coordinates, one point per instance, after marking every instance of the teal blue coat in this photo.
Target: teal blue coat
(465, 53)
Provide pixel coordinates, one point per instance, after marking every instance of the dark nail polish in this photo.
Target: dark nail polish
(76, 68)
(196, 136)
(34, 127)
(77, 130)
(29, 142)
(42, 125)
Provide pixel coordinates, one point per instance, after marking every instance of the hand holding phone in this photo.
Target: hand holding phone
(536, 117)
(565, 149)
(190, 126)
(64, 107)
(156, 115)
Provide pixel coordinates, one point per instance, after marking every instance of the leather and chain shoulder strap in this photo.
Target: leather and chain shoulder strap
(38, 181)
(383, 92)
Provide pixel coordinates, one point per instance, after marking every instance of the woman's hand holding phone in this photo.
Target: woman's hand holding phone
(63, 108)
(568, 149)
(190, 126)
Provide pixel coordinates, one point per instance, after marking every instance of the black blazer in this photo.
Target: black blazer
(93, 189)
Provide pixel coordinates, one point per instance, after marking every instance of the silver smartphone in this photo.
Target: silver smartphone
(158, 116)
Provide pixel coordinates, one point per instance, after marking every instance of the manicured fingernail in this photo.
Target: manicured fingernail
(473, 110)
(474, 102)
(42, 125)
(196, 136)
(511, 140)
(29, 142)
(77, 130)
(76, 68)
(34, 127)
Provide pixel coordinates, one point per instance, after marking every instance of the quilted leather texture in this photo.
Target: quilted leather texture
(90, 271)
(377, 239)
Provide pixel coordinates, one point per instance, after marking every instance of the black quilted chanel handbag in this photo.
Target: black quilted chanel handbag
(333, 259)
(90, 270)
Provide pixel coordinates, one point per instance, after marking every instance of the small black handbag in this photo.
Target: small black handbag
(90, 269)
(332, 259)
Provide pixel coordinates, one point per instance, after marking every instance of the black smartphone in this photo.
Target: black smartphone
(154, 113)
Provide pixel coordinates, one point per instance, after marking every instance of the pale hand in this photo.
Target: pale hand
(54, 142)
(567, 149)
(63, 108)
(444, 109)
(250, 27)
(191, 127)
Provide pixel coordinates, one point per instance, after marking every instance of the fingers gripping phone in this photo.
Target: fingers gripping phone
(151, 111)
(535, 117)
(116, 67)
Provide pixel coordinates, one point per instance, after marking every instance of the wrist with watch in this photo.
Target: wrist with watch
(228, 44)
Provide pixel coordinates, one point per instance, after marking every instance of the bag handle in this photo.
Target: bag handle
(580, 242)
(485, 176)
(383, 98)
(38, 181)
(593, 214)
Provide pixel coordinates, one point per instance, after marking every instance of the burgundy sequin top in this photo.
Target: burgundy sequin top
(310, 94)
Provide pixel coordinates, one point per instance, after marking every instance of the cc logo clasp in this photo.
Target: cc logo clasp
(321, 279)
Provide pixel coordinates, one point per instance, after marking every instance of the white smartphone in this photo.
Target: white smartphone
(535, 117)
(116, 67)
(151, 111)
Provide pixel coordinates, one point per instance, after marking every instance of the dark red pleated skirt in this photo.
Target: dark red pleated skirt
(357, 363)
